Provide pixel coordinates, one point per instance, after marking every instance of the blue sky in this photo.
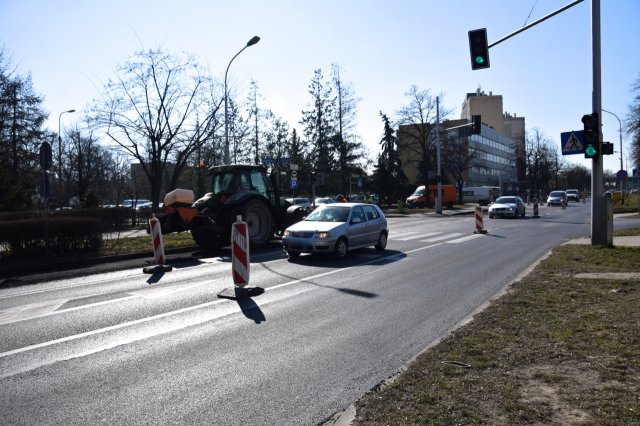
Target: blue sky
(71, 48)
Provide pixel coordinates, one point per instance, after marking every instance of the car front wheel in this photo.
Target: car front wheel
(341, 248)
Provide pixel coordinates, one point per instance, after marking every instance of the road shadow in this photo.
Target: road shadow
(351, 260)
(251, 310)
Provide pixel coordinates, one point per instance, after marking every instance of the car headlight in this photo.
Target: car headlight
(510, 209)
(286, 233)
(322, 235)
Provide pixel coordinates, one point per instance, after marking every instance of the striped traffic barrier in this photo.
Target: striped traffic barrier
(240, 263)
(240, 253)
(479, 225)
(158, 248)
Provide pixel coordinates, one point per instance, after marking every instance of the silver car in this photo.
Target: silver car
(337, 228)
(557, 198)
(511, 206)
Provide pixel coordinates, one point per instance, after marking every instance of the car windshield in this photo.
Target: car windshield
(506, 200)
(329, 214)
(418, 192)
(556, 194)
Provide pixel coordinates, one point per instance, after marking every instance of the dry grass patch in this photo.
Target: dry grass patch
(553, 350)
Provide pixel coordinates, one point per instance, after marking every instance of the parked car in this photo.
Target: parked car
(325, 200)
(337, 229)
(511, 205)
(304, 202)
(573, 195)
(134, 203)
(556, 198)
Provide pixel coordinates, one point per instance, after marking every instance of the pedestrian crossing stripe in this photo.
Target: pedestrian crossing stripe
(441, 237)
(416, 236)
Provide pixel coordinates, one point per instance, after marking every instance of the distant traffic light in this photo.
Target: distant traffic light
(476, 128)
(479, 49)
(591, 135)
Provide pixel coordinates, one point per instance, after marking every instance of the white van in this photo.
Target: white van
(482, 195)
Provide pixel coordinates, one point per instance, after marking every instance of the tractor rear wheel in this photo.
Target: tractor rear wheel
(260, 223)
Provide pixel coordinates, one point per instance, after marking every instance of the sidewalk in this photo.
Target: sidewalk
(633, 241)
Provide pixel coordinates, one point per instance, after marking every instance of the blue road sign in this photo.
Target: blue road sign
(294, 183)
(572, 142)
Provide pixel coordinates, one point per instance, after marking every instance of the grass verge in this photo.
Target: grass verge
(555, 349)
(127, 245)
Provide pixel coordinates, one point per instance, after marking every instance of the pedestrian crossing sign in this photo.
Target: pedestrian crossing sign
(572, 142)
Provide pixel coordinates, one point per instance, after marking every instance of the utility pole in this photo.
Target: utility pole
(600, 220)
(438, 195)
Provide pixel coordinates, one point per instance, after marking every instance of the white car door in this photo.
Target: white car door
(357, 231)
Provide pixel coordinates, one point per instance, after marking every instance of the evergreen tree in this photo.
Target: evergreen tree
(318, 125)
(348, 149)
(21, 135)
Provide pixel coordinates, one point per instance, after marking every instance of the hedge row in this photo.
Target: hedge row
(67, 231)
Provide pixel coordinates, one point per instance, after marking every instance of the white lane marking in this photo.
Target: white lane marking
(399, 256)
(441, 237)
(36, 310)
(419, 235)
(463, 239)
(31, 310)
(156, 293)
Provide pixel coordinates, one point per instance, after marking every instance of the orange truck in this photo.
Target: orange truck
(419, 196)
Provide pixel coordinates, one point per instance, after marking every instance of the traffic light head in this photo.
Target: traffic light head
(591, 135)
(479, 49)
(476, 127)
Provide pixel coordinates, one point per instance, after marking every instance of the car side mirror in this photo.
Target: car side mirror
(356, 220)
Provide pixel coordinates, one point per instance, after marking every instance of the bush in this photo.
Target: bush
(37, 236)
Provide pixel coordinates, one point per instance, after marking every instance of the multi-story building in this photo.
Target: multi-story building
(490, 107)
(492, 154)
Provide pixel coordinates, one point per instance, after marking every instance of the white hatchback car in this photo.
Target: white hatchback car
(337, 228)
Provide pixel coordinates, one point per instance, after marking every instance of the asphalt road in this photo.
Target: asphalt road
(125, 347)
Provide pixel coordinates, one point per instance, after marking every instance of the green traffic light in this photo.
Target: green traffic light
(590, 151)
(479, 60)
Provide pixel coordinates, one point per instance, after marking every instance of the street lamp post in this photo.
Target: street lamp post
(60, 157)
(251, 42)
(620, 130)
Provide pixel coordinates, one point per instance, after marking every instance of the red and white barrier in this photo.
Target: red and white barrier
(240, 264)
(156, 236)
(479, 224)
(240, 252)
(158, 247)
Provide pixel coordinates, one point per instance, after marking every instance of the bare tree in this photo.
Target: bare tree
(160, 108)
(633, 124)
(416, 121)
(83, 165)
(543, 163)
